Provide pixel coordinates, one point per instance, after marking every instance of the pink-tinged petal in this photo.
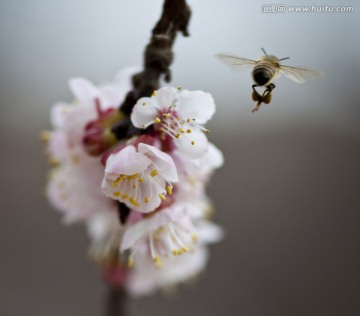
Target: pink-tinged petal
(74, 189)
(208, 232)
(194, 144)
(110, 96)
(58, 145)
(144, 112)
(58, 114)
(145, 279)
(214, 158)
(196, 105)
(83, 90)
(165, 97)
(136, 231)
(164, 162)
(127, 161)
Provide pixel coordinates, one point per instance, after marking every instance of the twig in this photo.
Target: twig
(158, 54)
(115, 302)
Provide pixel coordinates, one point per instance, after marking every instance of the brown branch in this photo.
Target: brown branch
(158, 54)
(115, 302)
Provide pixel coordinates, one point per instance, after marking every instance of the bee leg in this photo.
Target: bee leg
(257, 97)
(257, 107)
(268, 90)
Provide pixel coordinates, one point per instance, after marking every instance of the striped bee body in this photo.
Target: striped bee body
(264, 72)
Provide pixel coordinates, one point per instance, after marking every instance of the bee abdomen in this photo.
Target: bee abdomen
(263, 74)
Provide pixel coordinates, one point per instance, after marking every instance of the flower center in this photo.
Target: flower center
(137, 188)
(171, 239)
(168, 122)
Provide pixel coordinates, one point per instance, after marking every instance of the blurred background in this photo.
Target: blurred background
(288, 195)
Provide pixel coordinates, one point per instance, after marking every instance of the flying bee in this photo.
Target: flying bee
(265, 71)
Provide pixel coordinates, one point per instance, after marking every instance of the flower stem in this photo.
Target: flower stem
(115, 302)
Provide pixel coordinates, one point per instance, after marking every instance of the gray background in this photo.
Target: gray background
(287, 195)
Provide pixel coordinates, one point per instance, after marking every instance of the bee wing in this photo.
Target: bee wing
(300, 74)
(236, 62)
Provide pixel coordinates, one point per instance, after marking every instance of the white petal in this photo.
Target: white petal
(214, 157)
(196, 104)
(136, 231)
(127, 161)
(209, 232)
(58, 114)
(144, 112)
(83, 90)
(194, 144)
(162, 160)
(111, 96)
(165, 97)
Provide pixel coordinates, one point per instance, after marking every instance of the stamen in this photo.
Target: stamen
(133, 201)
(130, 262)
(162, 197)
(116, 194)
(154, 93)
(134, 176)
(169, 189)
(154, 173)
(157, 120)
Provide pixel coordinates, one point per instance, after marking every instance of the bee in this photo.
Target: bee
(265, 71)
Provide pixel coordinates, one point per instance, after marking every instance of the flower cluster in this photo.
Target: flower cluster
(154, 179)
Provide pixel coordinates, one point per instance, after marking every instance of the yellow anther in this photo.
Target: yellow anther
(157, 120)
(141, 180)
(188, 131)
(134, 176)
(117, 193)
(154, 173)
(181, 131)
(45, 136)
(194, 238)
(188, 120)
(130, 262)
(175, 252)
(167, 115)
(144, 103)
(169, 189)
(53, 161)
(207, 131)
(158, 262)
(192, 142)
(154, 93)
(162, 197)
(184, 249)
(125, 196)
(146, 199)
(177, 135)
(133, 201)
